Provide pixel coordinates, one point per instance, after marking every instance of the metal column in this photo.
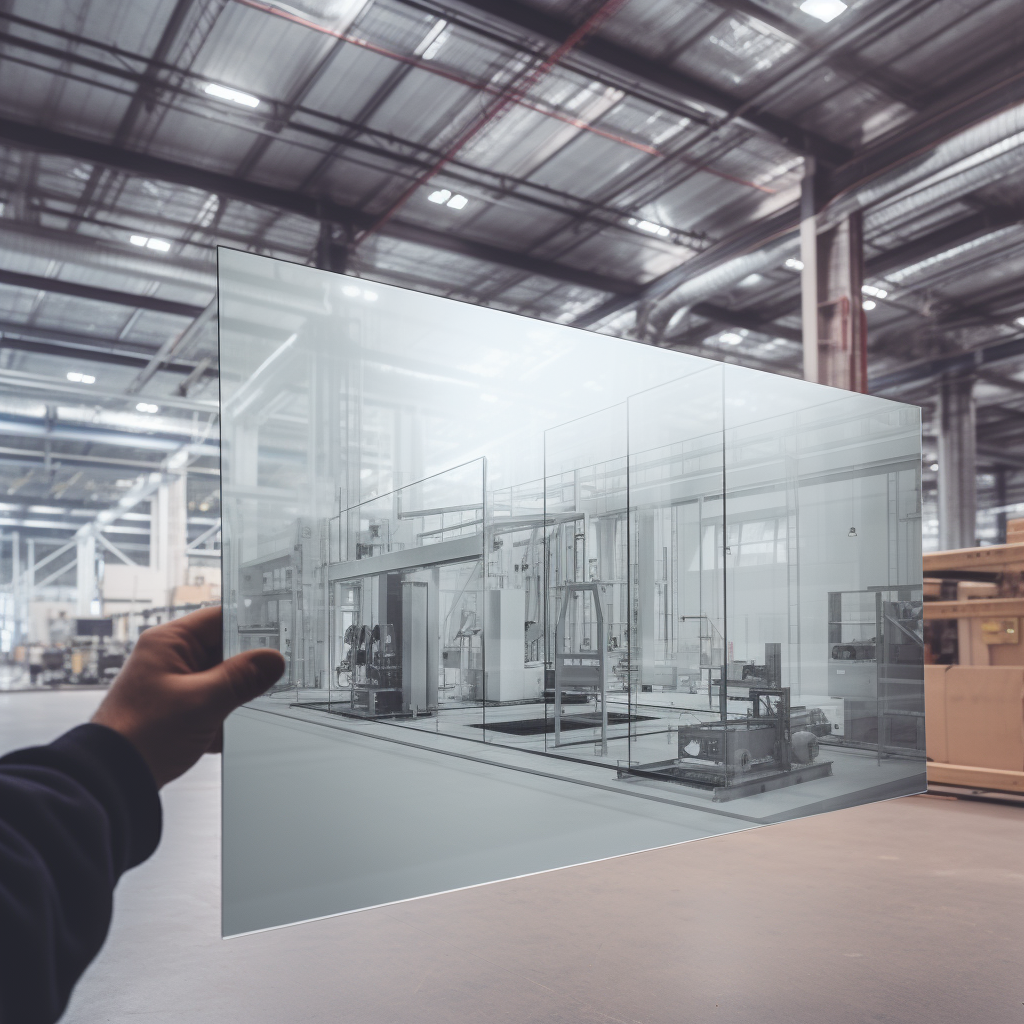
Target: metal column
(169, 530)
(834, 326)
(86, 569)
(957, 464)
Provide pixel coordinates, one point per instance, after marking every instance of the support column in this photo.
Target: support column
(957, 465)
(30, 587)
(86, 574)
(16, 588)
(1000, 475)
(834, 326)
(169, 535)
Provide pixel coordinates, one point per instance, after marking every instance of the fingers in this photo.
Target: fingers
(203, 632)
(240, 679)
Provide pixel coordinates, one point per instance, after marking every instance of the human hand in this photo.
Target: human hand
(174, 692)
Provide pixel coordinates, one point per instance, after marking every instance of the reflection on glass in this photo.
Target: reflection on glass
(615, 564)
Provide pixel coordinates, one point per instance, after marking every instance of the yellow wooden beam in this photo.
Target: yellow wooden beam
(994, 558)
(979, 608)
(975, 778)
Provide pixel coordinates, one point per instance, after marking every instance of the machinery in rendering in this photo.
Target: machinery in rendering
(875, 661)
(579, 661)
(743, 755)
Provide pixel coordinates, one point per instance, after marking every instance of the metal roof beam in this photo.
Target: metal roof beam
(503, 257)
(640, 68)
(36, 457)
(746, 319)
(87, 291)
(111, 351)
(319, 209)
(953, 113)
(957, 363)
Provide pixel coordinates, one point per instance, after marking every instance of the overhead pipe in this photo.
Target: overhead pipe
(970, 160)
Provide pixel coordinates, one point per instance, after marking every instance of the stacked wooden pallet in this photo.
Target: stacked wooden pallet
(974, 710)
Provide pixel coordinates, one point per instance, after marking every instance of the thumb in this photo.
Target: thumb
(240, 679)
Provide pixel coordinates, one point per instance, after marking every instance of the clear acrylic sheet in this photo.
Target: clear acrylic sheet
(545, 596)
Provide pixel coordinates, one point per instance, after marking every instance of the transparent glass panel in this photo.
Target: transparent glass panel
(586, 594)
(824, 581)
(677, 551)
(545, 596)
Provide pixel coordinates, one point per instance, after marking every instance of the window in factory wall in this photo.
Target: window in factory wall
(544, 596)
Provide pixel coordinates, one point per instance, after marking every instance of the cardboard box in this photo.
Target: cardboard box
(974, 716)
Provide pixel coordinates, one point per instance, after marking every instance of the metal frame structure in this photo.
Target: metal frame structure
(648, 168)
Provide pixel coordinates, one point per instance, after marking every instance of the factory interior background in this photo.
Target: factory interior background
(610, 408)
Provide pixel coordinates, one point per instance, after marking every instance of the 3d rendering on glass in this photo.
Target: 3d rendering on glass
(545, 596)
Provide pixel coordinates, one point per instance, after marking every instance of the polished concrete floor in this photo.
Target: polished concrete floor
(909, 912)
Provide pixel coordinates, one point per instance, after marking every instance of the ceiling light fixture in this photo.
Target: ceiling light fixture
(442, 195)
(81, 378)
(430, 45)
(231, 95)
(875, 293)
(934, 467)
(1019, 321)
(147, 407)
(868, 305)
(650, 227)
(457, 202)
(730, 338)
(157, 244)
(794, 264)
(823, 10)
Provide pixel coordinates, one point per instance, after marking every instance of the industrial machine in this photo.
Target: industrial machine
(875, 662)
(743, 756)
(579, 661)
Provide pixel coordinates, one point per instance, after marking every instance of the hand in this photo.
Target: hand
(174, 692)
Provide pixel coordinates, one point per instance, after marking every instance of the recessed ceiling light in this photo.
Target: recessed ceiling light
(157, 244)
(457, 202)
(1019, 321)
(232, 95)
(934, 467)
(650, 227)
(81, 378)
(875, 293)
(430, 45)
(442, 195)
(794, 264)
(147, 407)
(823, 10)
(868, 304)
(730, 338)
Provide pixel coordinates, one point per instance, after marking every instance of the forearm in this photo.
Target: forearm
(74, 816)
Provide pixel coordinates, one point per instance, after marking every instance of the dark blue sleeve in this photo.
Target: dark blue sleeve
(74, 816)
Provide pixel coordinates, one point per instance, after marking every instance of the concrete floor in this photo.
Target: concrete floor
(909, 911)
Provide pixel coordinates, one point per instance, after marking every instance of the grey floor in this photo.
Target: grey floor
(909, 911)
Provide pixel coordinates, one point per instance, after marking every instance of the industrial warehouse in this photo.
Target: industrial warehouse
(606, 417)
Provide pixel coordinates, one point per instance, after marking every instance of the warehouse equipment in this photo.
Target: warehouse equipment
(743, 756)
(579, 662)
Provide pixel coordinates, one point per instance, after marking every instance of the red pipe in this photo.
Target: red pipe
(520, 100)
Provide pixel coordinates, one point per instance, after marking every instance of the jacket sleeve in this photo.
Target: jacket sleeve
(74, 816)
